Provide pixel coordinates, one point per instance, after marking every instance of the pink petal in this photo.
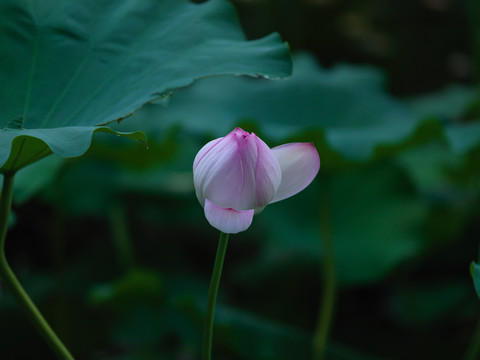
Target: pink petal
(229, 220)
(300, 164)
(225, 173)
(268, 175)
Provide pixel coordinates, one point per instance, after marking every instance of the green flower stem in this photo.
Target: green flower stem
(325, 314)
(212, 297)
(12, 282)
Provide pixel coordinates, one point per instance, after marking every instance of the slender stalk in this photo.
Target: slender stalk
(121, 239)
(325, 313)
(14, 285)
(473, 350)
(212, 297)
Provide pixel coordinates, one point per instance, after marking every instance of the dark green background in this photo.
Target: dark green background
(114, 247)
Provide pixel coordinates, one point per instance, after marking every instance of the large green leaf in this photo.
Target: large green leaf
(68, 68)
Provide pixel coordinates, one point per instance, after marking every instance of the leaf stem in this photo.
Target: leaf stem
(325, 313)
(14, 285)
(212, 296)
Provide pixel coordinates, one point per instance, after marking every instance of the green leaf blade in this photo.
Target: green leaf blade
(73, 65)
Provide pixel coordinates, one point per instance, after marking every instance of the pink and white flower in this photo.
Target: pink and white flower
(236, 176)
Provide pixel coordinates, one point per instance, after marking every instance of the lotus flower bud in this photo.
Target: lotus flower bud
(236, 176)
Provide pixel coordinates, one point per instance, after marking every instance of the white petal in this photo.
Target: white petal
(299, 163)
(227, 220)
(204, 150)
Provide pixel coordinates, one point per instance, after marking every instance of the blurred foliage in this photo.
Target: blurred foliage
(475, 272)
(312, 97)
(116, 250)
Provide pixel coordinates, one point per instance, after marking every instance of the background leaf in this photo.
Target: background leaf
(475, 272)
(346, 106)
(374, 219)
